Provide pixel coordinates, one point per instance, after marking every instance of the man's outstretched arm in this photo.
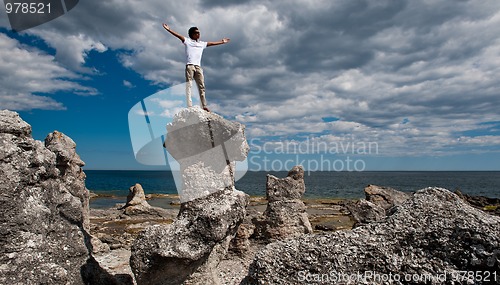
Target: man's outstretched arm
(223, 41)
(177, 35)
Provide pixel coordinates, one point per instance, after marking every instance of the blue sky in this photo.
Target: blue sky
(419, 79)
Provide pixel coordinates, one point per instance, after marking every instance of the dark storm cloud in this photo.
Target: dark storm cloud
(373, 64)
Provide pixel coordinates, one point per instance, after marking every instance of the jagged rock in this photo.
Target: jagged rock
(240, 244)
(136, 196)
(385, 197)
(188, 250)
(136, 201)
(285, 215)
(379, 202)
(205, 145)
(11, 123)
(44, 212)
(431, 234)
(365, 212)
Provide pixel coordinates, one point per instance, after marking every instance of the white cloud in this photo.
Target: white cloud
(289, 65)
(25, 71)
(128, 84)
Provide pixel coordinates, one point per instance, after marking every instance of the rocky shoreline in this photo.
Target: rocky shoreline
(117, 230)
(49, 235)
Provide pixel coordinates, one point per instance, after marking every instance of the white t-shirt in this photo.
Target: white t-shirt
(194, 50)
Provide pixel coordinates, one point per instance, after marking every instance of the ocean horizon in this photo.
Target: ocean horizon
(319, 184)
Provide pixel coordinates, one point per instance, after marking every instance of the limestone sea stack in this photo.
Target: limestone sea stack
(44, 210)
(285, 215)
(206, 147)
(189, 250)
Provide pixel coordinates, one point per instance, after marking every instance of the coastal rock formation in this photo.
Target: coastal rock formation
(365, 212)
(44, 211)
(206, 147)
(43, 207)
(385, 197)
(136, 197)
(490, 205)
(189, 249)
(285, 215)
(136, 201)
(378, 204)
(431, 237)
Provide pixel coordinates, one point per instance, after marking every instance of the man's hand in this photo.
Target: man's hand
(180, 37)
(225, 40)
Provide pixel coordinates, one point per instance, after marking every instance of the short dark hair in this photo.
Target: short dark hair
(191, 31)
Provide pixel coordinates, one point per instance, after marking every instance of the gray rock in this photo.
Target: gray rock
(240, 244)
(379, 203)
(385, 197)
(431, 234)
(365, 212)
(136, 202)
(11, 123)
(44, 212)
(285, 215)
(136, 196)
(188, 250)
(206, 147)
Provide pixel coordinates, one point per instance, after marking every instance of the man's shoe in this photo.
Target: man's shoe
(206, 109)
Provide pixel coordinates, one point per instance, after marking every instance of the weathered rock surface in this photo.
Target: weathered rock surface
(42, 206)
(136, 202)
(285, 215)
(385, 197)
(136, 196)
(380, 201)
(206, 147)
(431, 234)
(188, 250)
(365, 212)
(44, 210)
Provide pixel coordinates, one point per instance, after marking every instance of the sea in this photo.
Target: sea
(342, 185)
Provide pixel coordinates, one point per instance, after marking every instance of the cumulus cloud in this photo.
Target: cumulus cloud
(418, 77)
(25, 73)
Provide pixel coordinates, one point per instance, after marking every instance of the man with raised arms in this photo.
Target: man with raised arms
(194, 49)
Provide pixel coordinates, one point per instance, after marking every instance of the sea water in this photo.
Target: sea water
(347, 185)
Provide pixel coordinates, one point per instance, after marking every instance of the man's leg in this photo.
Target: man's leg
(200, 82)
(189, 78)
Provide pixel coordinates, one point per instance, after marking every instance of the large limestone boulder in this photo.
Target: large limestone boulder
(43, 207)
(434, 236)
(189, 250)
(385, 197)
(285, 215)
(380, 201)
(44, 210)
(206, 147)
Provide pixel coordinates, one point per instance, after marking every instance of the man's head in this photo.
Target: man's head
(194, 33)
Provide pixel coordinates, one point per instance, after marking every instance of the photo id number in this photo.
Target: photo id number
(27, 8)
